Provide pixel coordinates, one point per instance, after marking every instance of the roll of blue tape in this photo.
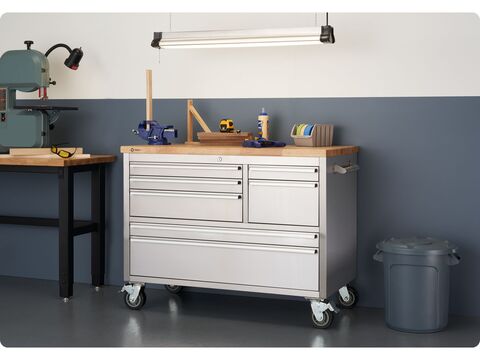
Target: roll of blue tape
(308, 130)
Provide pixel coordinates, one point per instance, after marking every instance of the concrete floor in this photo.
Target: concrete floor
(31, 314)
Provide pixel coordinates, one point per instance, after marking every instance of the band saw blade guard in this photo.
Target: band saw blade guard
(149, 129)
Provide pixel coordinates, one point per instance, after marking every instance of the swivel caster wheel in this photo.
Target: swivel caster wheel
(322, 313)
(347, 297)
(325, 322)
(174, 289)
(134, 296)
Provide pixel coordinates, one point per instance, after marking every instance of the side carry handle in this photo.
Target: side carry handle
(378, 256)
(342, 170)
(453, 259)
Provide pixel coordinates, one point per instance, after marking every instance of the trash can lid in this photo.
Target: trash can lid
(417, 246)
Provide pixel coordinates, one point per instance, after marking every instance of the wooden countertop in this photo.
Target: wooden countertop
(289, 150)
(54, 161)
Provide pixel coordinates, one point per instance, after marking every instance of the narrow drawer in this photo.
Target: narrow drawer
(256, 265)
(306, 173)
(188, 170)
(284, 238)
(186, 184)
(186, 205)
(283, 202)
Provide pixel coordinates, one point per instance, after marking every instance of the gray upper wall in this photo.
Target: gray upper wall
(418, 177)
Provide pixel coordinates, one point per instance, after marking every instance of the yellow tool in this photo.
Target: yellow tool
(226, 125)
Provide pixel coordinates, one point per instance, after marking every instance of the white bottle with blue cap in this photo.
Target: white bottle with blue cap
(263, 123)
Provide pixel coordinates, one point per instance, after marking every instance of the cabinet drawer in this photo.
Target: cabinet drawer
(289, 238)
(306, 173)
(186, 184)
(256, 265)
(283, 202)
(186, 205)
(188, 170)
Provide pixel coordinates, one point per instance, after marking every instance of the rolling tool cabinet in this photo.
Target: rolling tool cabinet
(271, 220)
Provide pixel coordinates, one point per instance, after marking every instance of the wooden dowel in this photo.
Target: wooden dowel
(189, 122)
(149, 108)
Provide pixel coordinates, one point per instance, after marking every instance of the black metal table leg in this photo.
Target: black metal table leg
(65, 225)
(98, 216)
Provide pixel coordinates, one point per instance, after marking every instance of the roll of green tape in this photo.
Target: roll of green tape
(301, 128)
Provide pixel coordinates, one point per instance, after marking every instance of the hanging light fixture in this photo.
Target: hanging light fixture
(244, 38)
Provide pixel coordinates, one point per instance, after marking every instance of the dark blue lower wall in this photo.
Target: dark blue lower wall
(419, 175)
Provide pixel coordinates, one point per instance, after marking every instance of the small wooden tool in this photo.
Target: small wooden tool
(193, 113)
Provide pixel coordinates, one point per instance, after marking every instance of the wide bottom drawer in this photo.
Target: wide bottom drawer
(233, 263)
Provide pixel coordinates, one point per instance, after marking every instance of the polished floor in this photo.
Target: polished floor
(31, 314)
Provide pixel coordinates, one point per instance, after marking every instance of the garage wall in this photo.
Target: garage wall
(376, 55)
(417, 177)
(405, 88)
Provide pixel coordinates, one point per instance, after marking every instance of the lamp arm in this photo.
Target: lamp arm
(57, 46)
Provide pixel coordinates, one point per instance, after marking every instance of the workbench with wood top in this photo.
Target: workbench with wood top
(289, 150)
(68, 227)
(278, 220)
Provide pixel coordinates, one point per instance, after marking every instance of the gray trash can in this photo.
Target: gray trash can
(417, 282)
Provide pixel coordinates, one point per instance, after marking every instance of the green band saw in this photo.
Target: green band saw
(27, 70)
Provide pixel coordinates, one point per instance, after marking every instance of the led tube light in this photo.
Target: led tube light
(237, 38)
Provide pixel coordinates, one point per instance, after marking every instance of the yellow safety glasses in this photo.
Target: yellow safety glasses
(64, 154)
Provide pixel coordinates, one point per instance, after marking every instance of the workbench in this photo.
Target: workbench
(67, 225)
(268, 220)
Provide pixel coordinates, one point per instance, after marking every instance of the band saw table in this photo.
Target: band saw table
(68, 227)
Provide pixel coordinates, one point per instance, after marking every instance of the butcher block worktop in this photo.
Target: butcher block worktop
(289, 150)
(54, 161)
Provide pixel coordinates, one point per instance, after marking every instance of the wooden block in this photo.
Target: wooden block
(41, 151)
(219, 138)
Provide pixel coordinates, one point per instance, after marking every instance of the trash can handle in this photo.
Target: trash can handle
(378, 256)
(453, 259)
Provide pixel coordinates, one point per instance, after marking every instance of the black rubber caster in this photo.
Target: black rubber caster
(350, 304)
(174, 289)
(138, 303)
(326, 322)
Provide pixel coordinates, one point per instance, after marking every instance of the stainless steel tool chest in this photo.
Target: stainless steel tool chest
(208, 217)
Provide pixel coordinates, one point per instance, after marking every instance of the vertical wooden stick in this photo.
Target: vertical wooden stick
(189, 121)
(149, 109)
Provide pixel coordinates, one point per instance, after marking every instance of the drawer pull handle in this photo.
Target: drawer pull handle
(284, 169)
(225, 231)
(284, 184)
(227, 246)
(184, 181)
(189, 195)
(182, 167)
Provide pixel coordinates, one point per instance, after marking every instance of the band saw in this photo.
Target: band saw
(28, 70)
